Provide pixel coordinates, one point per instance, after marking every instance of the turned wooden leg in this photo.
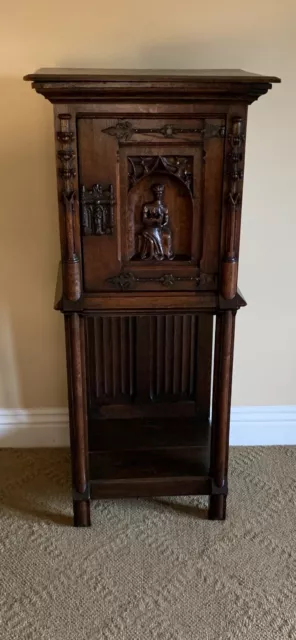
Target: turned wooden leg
(81, 510)
(224, 343)
(75, 347)
(217, 507)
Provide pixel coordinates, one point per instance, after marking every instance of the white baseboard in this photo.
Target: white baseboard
(254, 426)
(48, 427)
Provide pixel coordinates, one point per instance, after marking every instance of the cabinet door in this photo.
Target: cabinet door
(150, 202)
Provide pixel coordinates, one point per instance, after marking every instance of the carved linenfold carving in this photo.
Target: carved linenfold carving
(155, 239)
(173, 345)
(112, 378)
(171, 341)
(179, 166)
(124, 130)
(97, 210)
(234, 199)
(67, 173)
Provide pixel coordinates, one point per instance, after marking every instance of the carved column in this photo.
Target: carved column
(75, 347)
(67, 173)
(224, 343)
(234, 200)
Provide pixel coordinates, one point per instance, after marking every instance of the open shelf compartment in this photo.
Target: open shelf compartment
(143, 457)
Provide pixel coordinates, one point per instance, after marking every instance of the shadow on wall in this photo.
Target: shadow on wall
(9, 379)
(233, 50)
(32, 369)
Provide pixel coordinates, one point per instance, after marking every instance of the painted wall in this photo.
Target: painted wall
(257, 36)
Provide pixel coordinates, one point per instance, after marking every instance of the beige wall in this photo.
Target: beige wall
(258, 36)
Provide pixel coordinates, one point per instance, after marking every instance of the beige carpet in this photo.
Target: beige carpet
(148, 569)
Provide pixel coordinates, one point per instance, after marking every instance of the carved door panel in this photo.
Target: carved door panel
(157, 366)
(161, 221)
(150, 203)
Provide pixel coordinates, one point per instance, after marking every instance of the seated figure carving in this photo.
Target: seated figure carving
(155, 240)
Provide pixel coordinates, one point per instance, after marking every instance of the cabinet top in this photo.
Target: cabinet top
(95, 85)
(152, 75)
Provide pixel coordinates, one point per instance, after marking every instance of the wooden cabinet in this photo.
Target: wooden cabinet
(150, 174)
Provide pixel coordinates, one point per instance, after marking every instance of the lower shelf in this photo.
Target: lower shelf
(149, 487)
(145, 457)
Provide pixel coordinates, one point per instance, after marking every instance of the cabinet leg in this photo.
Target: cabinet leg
(221, 411)
(217, 507)
(81, 513)
(75, 347)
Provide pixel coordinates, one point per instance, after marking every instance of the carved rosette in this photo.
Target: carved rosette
(66, 174)
(233, 204)
(97, 210)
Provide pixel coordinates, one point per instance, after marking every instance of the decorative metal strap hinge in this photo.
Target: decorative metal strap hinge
(124, 130)
(125, 280)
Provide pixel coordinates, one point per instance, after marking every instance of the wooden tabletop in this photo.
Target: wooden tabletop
(138, 75)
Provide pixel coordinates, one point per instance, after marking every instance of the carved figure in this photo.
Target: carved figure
(97, 210)
(155, 240)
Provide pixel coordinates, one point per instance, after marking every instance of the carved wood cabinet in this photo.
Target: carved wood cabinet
(150, 175)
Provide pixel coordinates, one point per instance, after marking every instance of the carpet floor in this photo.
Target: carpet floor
(149, 569)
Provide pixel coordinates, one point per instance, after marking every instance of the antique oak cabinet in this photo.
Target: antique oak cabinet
(150, 174)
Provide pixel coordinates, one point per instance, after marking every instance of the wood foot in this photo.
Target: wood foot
(217, 507)
(81, 513)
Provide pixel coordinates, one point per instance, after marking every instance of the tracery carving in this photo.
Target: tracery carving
(179, 166)
(97, 210)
